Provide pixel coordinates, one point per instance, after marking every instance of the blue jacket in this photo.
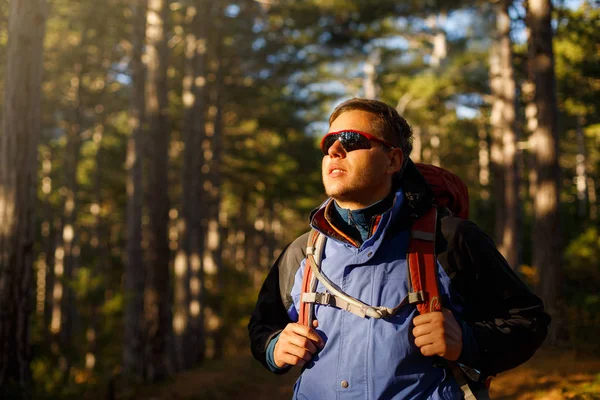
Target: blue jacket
(494, 299)
(369, 358)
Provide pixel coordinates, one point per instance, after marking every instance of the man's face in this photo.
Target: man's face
(358, 178)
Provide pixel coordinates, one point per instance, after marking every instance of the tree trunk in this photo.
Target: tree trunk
(417, 150)
(63, 322)
(484, 165)
(434, 143)
(581, 176)
(496, 145)
(70, 230)
(370, 86)
(188, 327)
(100, 249)
(46, 259)
(527, 90)
(57, 285)
(50, 249)
(133, 347)
(156, 296)
(546, 232)
(503, 125)
(591, 185)
(18, 176)
(439, 40)
(218, 221)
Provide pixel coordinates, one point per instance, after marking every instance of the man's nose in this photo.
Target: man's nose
(336, 150)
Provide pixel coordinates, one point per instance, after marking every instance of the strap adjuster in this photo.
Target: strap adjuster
(322, 298)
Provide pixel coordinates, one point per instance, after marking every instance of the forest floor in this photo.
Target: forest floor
(549, 375)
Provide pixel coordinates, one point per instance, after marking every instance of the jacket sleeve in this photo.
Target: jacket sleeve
(507, 320)
(270, 313)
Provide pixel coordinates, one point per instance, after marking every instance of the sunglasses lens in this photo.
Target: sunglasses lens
(350, 141)
(354, 141)
(328, 141)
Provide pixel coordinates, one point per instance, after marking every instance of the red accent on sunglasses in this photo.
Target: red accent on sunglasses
(364, 134)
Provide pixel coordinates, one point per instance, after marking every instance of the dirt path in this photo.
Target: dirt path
(548, 376)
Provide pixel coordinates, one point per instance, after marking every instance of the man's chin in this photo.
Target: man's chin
(339, 196)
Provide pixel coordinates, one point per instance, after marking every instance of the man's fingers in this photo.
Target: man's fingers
(426, 329)
(421, 330)
(438, 333)
(304, 343)
(296, 345)
(299, 352)
(307, 332)
(427, 318)
(421, 319)
(425, 340)
(287, 352)
(289, 359)
(431, 350)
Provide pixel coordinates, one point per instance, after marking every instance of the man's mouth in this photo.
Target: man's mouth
(335, 172)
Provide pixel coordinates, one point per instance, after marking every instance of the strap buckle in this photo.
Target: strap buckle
(322, 298)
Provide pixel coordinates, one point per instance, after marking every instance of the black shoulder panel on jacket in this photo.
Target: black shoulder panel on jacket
(291, 259)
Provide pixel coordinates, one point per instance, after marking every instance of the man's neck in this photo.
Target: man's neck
(358, 222)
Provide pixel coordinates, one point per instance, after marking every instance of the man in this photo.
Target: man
(375, 194)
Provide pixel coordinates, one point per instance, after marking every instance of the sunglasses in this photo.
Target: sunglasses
(351, 140)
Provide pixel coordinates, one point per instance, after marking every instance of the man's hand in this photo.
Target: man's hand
(296, 345)
(438, 333)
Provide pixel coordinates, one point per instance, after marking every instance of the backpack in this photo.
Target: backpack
(451, 193)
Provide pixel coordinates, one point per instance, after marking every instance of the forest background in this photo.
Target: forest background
(157, 155)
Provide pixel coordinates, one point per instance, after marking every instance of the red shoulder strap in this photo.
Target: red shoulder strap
(422, 261)
(305, 308)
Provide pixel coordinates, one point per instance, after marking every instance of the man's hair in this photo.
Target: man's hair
(388, 123)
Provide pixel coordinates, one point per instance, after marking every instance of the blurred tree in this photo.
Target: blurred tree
(74, 125)
(157, 299)
(581, 289)
(546, 231)
(133, 346)
(577, 65)
(503, 150)
(18, 161)
(189, 281)
(214, 220)
(77, 117)
(45, 277)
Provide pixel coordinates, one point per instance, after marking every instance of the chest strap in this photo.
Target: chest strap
(357, 307)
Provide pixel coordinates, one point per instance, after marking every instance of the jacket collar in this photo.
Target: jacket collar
(417, 192)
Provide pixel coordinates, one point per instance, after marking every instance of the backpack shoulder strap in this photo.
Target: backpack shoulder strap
(422, 262)
(315, 247)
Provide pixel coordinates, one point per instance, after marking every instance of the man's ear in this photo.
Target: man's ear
(396, 160)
